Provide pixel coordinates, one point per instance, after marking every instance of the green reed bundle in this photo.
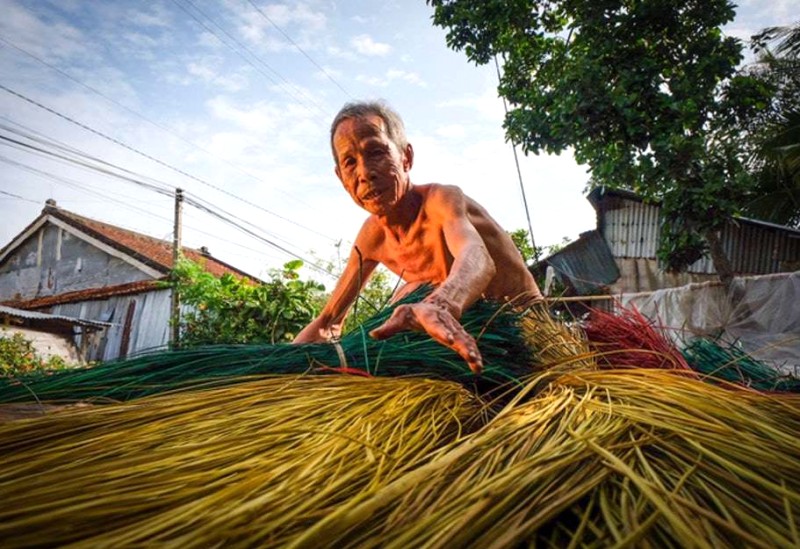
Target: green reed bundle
(718, 360)
(497, 329)
(252, 464)
(608, 458)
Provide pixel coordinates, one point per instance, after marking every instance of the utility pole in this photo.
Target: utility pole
(175, 309)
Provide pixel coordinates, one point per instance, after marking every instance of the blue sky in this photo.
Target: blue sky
(231, 101)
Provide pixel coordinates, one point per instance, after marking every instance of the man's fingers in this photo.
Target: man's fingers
(401, 319)
(439, 324)
(462, 343)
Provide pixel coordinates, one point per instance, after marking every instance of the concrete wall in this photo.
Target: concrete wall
(53, 261)
(46, 344)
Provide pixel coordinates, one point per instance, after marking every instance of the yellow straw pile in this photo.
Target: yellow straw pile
(610, 458)
(578, 457)
(250, 465)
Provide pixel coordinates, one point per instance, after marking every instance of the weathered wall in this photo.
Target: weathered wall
(140, 322)
(639, 274)
(631, 229)
(46, 344)
(53, 261)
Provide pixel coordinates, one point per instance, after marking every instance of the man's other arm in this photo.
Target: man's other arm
(329, 322)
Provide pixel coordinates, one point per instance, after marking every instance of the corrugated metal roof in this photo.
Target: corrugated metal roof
(586, 263)
(631, 228)
(44, 317)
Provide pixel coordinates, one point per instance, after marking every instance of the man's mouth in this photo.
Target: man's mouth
(372, 194)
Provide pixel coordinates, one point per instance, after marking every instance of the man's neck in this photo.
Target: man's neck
(399, 221)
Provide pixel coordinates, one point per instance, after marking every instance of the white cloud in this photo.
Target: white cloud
(391, 76)
(365, 45)
(298, 21)
(451, 131)
(207, 73)
(410, 77)
(48, 41)
(488, 105)
(156, 17)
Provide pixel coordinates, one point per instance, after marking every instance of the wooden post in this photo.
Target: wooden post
(175, 309)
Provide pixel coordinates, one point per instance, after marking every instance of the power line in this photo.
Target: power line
(301, 50)
(143, 117)
(224, 218)
(516, 161)
(161, 188)
(106, 197)
(164, 190)
(256, 57)
(156, 160)
(16, 195)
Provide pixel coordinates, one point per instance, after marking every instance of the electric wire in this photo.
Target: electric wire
(160, 187)
(18, 196)
(146, 119)
(307, 97)
(198, 203)
(156, 160)
(516, 161)
(86, 188)
(301, 50)
(163, 191)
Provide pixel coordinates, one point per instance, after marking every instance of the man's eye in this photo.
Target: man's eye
(348, 162)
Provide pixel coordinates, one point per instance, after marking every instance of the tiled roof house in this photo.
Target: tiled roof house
(70, 265)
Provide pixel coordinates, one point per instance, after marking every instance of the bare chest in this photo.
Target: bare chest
(420, 254)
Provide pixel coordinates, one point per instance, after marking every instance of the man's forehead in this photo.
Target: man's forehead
(361, 127)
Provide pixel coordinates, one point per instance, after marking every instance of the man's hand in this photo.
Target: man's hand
(439, 323)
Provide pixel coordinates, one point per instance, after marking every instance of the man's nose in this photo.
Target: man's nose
(362, 170)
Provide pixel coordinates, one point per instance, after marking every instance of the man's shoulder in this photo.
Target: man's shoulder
(440, 191)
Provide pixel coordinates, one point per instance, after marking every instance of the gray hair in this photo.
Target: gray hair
(360, 109)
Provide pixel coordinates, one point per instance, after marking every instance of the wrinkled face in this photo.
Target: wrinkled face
(370, 165)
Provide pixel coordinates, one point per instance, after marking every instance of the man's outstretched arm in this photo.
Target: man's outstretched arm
(471, 272)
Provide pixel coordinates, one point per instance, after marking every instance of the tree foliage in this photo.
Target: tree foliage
(18, 356)
(521, 239)
(234, 310)
(231, 310)
(771, 137)
(644, 91)
(373, 298)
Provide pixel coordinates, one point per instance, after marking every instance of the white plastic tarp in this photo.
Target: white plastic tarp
(761, 314)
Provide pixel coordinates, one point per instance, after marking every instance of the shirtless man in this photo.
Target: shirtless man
(423, 233)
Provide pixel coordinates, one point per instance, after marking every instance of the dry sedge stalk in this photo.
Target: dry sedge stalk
(556, 346)
(645, 458)
(251, 464)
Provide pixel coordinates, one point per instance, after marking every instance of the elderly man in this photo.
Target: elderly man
(426, 234)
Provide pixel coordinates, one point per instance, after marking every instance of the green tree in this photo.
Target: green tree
(522, 241)
(375, 296)
(644, 91)
(234, 310)
(771, 138)
(18, 357)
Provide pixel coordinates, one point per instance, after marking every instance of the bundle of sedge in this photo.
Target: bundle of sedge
(619, 458)
(718, 360)
(514, 344)
(626, 338)
(503, 345)
(252, 464)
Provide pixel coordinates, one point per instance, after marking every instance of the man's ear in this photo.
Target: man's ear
(338, 172)
(408, 157)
